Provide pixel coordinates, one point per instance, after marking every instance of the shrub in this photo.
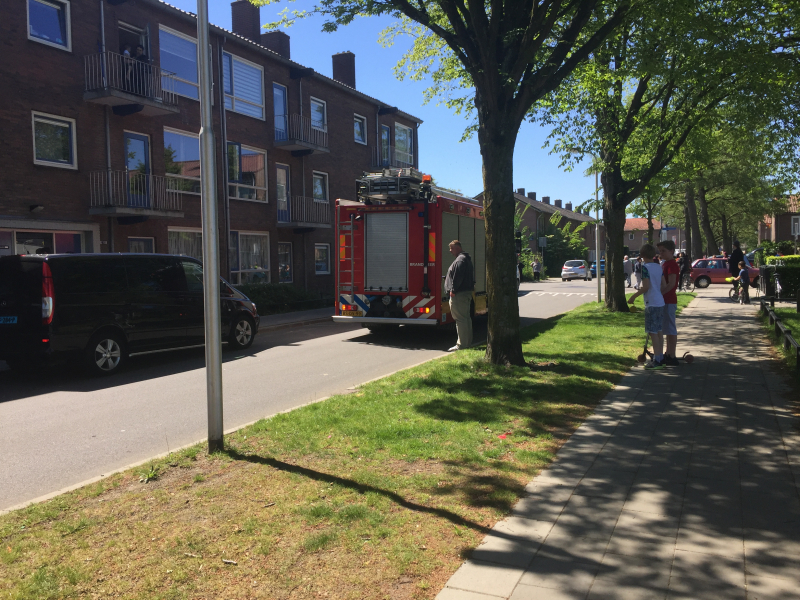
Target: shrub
(790, 280)
(790, 260)
(274, 298)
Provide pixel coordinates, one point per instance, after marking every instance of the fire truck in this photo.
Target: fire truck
(393, 251)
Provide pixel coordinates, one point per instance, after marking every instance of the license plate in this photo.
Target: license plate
(8, 320)
(351, 313)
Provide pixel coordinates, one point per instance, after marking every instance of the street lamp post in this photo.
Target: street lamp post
(596, 216)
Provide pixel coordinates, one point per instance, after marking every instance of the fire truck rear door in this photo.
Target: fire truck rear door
(386, 251)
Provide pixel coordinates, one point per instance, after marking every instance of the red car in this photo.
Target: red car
(706, 271)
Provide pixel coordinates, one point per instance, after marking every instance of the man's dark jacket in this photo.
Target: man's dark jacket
(460, 275)
(733, 262)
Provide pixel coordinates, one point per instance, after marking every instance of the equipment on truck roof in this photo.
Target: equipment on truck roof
(401, 186)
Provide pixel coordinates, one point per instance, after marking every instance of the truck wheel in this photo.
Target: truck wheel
(106, 353)
(242, 335)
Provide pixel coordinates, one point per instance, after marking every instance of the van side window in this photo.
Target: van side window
(194, 276)
(89, 275)
(156, 274)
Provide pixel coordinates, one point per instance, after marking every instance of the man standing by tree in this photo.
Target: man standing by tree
(459, 284)
(627, 267)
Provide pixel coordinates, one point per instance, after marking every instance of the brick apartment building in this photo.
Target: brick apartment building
(636, 234)
(102, 149)
(783, 226)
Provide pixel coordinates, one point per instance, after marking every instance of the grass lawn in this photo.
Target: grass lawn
(791, 318)
(377, 494)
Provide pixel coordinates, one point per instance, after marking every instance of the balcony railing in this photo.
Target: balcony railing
(389, 156)
(111, 71)
(133, 190)
(300, 210)
(294, 129)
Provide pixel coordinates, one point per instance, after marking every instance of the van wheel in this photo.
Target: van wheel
(242, 335)
(106, 353)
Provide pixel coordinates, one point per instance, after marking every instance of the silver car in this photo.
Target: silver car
(576, 269)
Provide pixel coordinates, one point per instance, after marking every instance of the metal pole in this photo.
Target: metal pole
(597, 229)
(210, 238)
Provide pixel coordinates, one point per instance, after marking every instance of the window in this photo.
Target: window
(247, 173)
(360, 129)
(285, 263)
(249, 257)
(141, 245)
(701, 264)
(319, 186)
(630, 236)
(54, 141)
(179, 56)
(795, 225)
(279, 107)
(319, 116)
(182, 161)
(49, 23)
(186, 242)
(154, 274)
(322, 265)
(194, 276)
(244, 90)
(403, 145)
(386, 137)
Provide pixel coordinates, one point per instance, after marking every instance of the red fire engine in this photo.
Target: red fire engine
(393, 250)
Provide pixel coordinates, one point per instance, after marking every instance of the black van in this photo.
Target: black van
(102, 308)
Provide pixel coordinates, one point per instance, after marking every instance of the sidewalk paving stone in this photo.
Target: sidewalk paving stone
(682, 485)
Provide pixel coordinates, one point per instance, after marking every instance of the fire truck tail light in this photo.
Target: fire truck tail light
(349, 307)
(424, 310)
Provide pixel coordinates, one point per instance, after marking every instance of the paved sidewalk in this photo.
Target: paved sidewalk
(682, 485)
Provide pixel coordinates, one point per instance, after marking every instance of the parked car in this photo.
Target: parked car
(100, 309)
(576, 269)
(602, 268)
(706, 271)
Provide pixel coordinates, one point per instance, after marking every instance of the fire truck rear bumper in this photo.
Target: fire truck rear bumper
(384, 321)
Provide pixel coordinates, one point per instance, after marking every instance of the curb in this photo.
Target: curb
(295, 324)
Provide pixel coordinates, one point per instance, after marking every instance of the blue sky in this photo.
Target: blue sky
(453, 164)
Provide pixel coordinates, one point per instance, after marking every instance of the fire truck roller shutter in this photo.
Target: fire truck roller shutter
(387, 251)
(449, 233)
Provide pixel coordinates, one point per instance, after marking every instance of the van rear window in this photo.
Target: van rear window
(20, 280)
(88, 275)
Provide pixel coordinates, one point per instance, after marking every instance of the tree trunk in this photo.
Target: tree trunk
(687, 231)
(727, 242)
(497, 138)
(697, 241)
(614, 219)
(711, 243)
(650, 228)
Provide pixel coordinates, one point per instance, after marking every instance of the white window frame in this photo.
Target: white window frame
(170, 175)
(328, 272)
(142, 237)
(363, 119)
(291, 262)
(266, 175)
(325, 113)
(238, 272)
(410, 137)
(631, 236)
(197, 61)
(73, 130)
(233, 97)
(67, 19)
(795, 225)
(185, 230)
(327, 194)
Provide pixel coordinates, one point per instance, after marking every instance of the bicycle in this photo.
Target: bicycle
(686, 284)
(733, 293)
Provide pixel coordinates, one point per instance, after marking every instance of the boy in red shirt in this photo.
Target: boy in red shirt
(669, 285)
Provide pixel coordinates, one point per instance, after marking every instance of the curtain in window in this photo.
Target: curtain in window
(188, 243)
(253, 251)
(285, 263)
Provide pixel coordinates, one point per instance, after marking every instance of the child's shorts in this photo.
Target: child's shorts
(653, 319)
(668, 327)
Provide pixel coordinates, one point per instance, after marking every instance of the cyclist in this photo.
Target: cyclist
(744, 283)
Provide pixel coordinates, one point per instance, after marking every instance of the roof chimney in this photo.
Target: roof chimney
(546, 199)
(245, 20)
(521, 191)
(568, 206)
(344, 68)
(558, 203)
(532, 195)
(278, 42)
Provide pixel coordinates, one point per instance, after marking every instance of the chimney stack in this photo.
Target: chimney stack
(568, 206)
(532, 195)
(278, 42)
(546, 199)
(344, 68)
(245, 20)
(521, 191)
(558, 203)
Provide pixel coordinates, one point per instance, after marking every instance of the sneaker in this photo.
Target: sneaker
(654, 364)
(670, 361)
(454, 348)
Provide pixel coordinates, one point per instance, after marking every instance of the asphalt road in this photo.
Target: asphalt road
(60, 428)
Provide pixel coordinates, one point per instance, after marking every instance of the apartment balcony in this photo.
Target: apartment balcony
(134, 194)
(389, 156)
(304, 213)
(300, 135)
(128, 85)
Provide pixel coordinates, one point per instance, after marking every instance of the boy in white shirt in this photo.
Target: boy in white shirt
(654, 304)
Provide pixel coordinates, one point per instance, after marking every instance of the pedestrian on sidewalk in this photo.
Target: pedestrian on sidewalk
(653, 302)
(459, 285)
(669, 286)
(744, 283)
(627, 268)
(637, 271)
(537, 269)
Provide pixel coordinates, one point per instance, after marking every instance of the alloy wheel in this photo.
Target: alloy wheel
(107, 355)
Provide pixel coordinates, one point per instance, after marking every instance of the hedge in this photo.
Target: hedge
(274, 298)
(790, 260)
